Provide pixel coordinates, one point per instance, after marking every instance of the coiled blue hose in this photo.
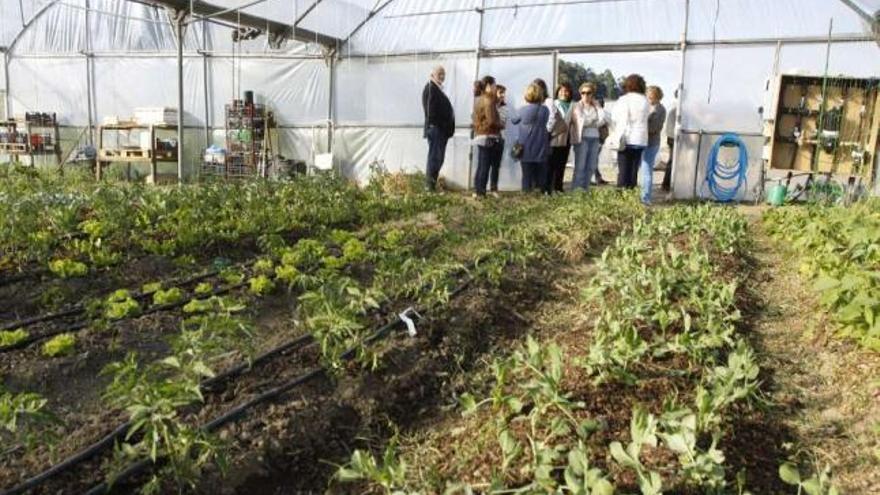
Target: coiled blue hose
(719, 175)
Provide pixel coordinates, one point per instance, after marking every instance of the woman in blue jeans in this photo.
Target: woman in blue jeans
(587, 117)
(656, 120)
(534, 138)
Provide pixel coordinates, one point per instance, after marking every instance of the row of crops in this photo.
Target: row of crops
(642, 396)
(73, 227)
(142, 379)
(839, 250)
(344, 282)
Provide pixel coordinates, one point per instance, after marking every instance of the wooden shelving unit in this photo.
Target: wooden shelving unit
(129, 154)
(824, 126)
(36, 135)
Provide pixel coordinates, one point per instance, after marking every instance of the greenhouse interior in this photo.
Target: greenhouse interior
(451, 247)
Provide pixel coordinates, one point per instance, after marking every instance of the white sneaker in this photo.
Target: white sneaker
(494, 194)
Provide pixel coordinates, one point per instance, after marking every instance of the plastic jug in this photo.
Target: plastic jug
(776, 195)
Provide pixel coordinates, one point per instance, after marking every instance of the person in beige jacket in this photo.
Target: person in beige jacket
(560, 142)
(587, 116)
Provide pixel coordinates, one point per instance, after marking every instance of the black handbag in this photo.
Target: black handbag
(516, 151)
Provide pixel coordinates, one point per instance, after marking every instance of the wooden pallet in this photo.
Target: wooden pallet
(14, 147)
(123, 154)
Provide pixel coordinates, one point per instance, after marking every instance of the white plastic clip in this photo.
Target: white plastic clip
(410, 324)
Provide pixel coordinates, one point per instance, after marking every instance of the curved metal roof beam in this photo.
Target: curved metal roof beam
(865, 15)
(274, 29)
(45, 8)
(367, 19)
(873, 20)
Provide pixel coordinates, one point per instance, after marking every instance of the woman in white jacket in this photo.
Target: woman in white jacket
(630, 131)
(586, 119)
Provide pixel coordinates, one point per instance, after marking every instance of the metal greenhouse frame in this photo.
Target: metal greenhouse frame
(334, 50)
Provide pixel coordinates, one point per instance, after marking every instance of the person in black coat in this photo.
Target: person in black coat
(439, 124)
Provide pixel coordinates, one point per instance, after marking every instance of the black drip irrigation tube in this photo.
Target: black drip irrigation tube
(41, 318)
(79, 235)
(76, 327)
(19, 277)
(239, 411)
(118, 432)
(206, 385)
(79, 308)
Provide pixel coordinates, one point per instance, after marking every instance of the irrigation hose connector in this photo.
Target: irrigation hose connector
(410, 324)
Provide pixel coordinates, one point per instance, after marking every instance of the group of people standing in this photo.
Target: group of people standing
(549, 128)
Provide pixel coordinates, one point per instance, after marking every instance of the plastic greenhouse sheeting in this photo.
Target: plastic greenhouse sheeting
(366, 103)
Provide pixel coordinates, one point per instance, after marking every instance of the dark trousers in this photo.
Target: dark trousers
(437, 140)
(628, 161)
(532, 175)
(667, 175)
(555, 173)
(485, 158)
(495, 166)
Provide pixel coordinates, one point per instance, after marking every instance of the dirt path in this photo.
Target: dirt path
(825, 391)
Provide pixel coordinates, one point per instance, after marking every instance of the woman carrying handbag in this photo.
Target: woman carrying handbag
(533, 146)
(629, 136)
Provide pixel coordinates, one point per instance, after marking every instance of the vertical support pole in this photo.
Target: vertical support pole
(697, 168)
(820, 123)
(555, 82)
(98, 162)
(153, 149)
(477, 53)
(180, 30)
(7, 107)
(30, 146)
(205, 83)
(768, 116)
(680, 110)
(330, 108)
(89, 103)
(89, 82)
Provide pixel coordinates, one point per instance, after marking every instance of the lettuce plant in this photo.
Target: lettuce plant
(60, 345)
(170, 296)
(12, 337)
(66, 268)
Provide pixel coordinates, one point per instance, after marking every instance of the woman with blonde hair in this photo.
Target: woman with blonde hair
(587, 117)
(533, 137)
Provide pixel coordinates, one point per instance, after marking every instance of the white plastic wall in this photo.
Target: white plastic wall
(380, 118)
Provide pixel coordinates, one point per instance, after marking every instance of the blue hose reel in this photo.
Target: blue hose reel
(725, 180)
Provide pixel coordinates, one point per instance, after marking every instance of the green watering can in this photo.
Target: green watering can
(776, 195)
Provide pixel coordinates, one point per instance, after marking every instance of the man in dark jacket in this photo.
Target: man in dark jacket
(439, 124)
